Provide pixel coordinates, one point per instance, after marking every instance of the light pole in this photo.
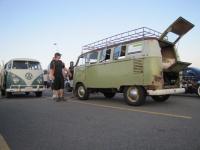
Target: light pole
(56, 47)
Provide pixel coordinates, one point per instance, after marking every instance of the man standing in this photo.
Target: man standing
(57, 76)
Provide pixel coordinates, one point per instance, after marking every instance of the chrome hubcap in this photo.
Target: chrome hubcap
(133, 94)
(198, 90)
(81, 91)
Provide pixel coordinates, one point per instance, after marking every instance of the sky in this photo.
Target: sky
(29, 28)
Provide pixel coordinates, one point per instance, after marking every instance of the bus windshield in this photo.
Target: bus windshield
(32, 65)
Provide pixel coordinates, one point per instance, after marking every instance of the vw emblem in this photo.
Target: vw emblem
(28, 76)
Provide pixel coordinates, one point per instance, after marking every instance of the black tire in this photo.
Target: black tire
(27, 93)
(160, 98)
(135, 95)
(38, 94)
(8, 94)
(198, 90)
(109, 94)
(3, 93)
(81, 92)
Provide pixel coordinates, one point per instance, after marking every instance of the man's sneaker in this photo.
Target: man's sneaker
(63, 99)
(55, 98)
(58, 99)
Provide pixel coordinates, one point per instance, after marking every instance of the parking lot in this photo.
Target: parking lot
(27, 122)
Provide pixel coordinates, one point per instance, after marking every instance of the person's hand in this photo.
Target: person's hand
(51, 77)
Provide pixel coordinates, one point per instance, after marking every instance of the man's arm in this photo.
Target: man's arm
(52, 70)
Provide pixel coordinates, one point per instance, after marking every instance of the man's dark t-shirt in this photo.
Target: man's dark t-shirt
(57, 66)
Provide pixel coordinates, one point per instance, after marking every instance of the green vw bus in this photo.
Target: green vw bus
(136, 63)
(21, 76)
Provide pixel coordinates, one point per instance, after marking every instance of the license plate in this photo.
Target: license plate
(28, 88)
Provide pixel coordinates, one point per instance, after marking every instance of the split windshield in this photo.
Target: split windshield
(32, 65)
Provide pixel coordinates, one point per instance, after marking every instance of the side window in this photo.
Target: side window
(119, 52)
(81, 61)
(105, 55)
(9, 66)
(134, 48)
(93, 57)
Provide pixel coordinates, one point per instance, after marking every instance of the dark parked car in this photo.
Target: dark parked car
(191, 80)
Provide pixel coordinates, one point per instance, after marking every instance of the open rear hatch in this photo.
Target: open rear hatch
(178, 66)
(170, 37)
(176, 30)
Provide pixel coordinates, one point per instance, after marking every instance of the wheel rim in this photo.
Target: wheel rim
(198, 91)
(81, 91)
(133, 94)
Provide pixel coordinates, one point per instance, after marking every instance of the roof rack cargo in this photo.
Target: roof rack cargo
(142, 32)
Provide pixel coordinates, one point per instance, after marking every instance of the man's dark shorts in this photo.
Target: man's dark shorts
(58, 83)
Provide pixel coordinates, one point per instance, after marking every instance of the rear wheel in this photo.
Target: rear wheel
(160, 98)
(38, 94)
(109, 95)
(81, 92)
(135, 95)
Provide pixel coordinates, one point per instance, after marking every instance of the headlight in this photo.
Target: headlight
(39, 80)
(16, 80)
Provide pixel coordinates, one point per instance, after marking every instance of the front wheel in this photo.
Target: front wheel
(27, 93)
(198, 90)
(81, 92)
(135, 95)
(3, 93)
(160, 98)
(38, 94)
(8, 94)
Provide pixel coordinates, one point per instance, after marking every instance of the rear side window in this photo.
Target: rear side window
(134, 48)
(105, 55)
(119, 52)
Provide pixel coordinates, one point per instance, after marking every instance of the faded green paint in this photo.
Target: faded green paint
(10, 80)
(39, 80)
(152, 67)
(119, 73)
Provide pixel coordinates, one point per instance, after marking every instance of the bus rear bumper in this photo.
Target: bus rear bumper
(166, 91)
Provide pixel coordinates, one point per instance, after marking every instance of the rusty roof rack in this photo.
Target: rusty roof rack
(122, 37)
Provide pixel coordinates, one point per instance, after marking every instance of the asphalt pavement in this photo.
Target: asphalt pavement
(30, 123)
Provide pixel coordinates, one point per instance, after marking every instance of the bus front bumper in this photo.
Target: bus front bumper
(166, 91)
(25, 88)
